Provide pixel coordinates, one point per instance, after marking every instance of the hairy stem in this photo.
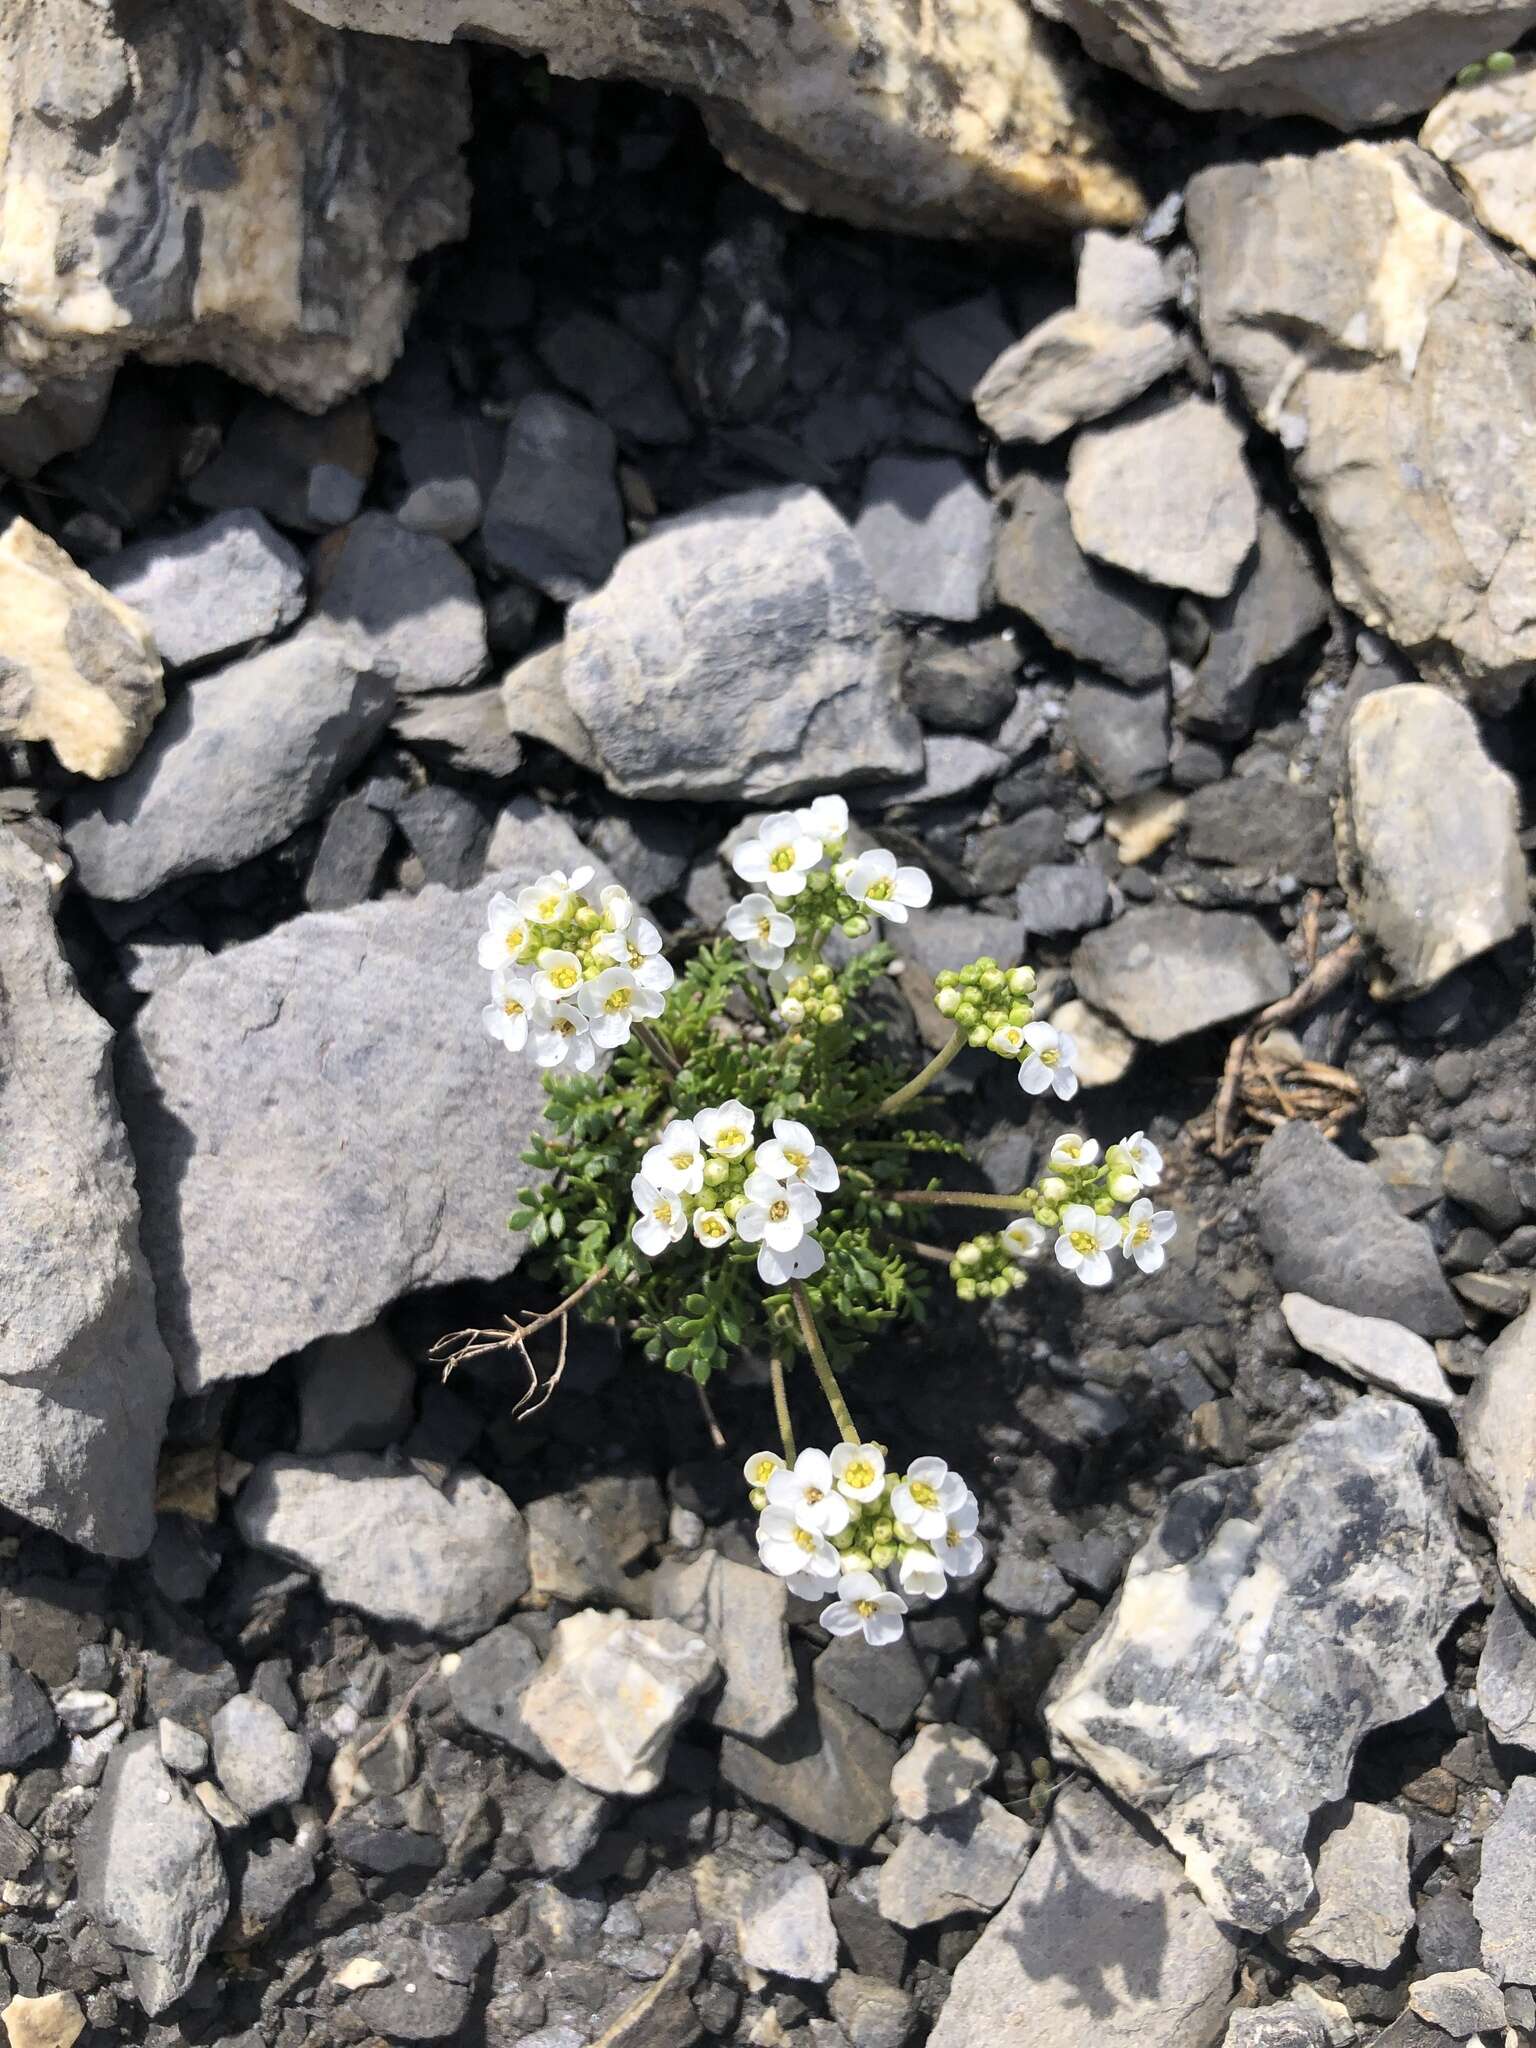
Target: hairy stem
(781, 1407)
(947, 1198)
(821, 1365)
(658, 1048)
(920, 1080)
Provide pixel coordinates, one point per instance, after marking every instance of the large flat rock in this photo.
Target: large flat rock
(1166, 970)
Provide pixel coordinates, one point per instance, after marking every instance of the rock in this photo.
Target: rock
(353, 843)
(535, 706)
(487, 1686)
(260, 1762)
(53, 2021)
(967, 1861)
(1379, 1352)
(1498, 1444)
(464, 731)
(943, 1770)
(621, 378)
(1482, 133)
(555, 516)
(885, 1684)
(86, 1382)
(266, 1880)
(302, 472)
(1340, 1550)
(954, 344)
(648, 847)
(1166, 496)
(1482, 1185)
(872, 2014)
(273, 1218)
(580, 1541)
(1104, 1052)
(1077, 365)
(827, 1769)
(1504, 1898)
(1265, 823)
(150, 1873)
(1429, 846)
(27, 1720)
(408, 600)
(1410, 1168)
(447, 831)
(977, 124)
(78, 666)
(1088, 611)
(569, 1827)
(1333, 1232)
(64, 414)
(970, 687)
(356, 1393)
(740, 1613)
(426, 1992)
(239, 759)
(1291, 2025)
(1459, 2002)
(785, 1926)
(1166, 971)
(1430, 534)
(1506, 1674)
(212, 590)
(1352, 67)
(1121, 735)
(449, 1562)
(1363, 1910)
(1120, 277)
(926, 532)
(201, 137)
(1062, 900)
(1103, 1921)
(613, 1693)
(181, 1749)
(954, 765)
(1276, 604)
(741, 651)
(664, 2016)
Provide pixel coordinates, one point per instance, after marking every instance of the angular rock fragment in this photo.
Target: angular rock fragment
(1484, 134)
(1459, 2002)
(1504, 1898)
(1363, 1909)
(487, 1686)
(1075, 366)
(1277, 1614)
(1276, 604)
(926, 532)
(211, 590)
(1498, 1443)
(1506, 1673)
(408, 600)
(612, 1694)
(740, 1613)
(1082, 607)
(261, 1762)
(555, 516)
(1121, 735)
(1167, 971)
(28, 1723)
(827, 1769)
(967, 1861)
(785, 1925)
(943, 1770)
(1381, 1353)
(304, 472)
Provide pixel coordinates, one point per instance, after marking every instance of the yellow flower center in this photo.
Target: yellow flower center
(806, 1538)
(866, 1607)
(763, 1471)
(778, 1211)
(764, 927)
(782, 859)
(812, 1495)
(512, 1007)
(682, 1161)
(858, 1472)
(952, 1538)
(731, 1139)
(565, 977)
(880, 891)
(663, 1212)
(798, 1160)
(549, 909)
(923, 1493)
(1048, 1058)
(1140, 1233)
(1083, 1241)
(620, 999)
(564, 1027)
(516, 939)
(711, 1226)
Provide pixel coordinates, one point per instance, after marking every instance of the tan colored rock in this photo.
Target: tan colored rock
(78, 667)
(1078, 365)
(1144, 823)
(613, 1693)
(1485, 134)
(228, 183)
(970, 117)
(1104, 1052)
(1498, 1445)
(53, 2021)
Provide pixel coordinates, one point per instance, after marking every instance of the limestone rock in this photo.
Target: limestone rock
(1352, 66)
(925, 528)
(741, 651)
(1504, 1899)
(580, 1541)
(1103, 1923)
(1429, 845)
(1459, 2003)
(741, 1614)
(1506, 1673)
(1498, 1443)
(1075, 366)
(1082, 607)
(785, 1925)
(1363, 1909)
(261, 1762)
(556, 517)
(1164, 972)
(410, 602)
(447, 1561)
(228, 184)
(1104, 1052)
(1290, 2025)
(53, 2021)
(84, 1376)
(487, 1686)
(212, 590)
(827, 1769)
(612, 1694)
(1484, 134)
(78, 666)
(967, 1861)
(1381, 1353)
(978, 120)
(1276, 1615)
(1276, 604)
(1386, 342)
(943, 1770)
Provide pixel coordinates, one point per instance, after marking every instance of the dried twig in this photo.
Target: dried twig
(349, 1760)
(462, 1345)
(711, 1420)
(1325, 1095)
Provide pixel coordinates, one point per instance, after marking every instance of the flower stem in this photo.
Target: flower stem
(948, 1198)
(920, 1080)
(658, 1048)
(821, 1365)
(781, 1407)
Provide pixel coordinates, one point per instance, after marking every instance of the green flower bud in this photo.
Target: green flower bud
(1125, 1187)
(1054, 1189)
(758, 1498)
(857, 926)
(966, 1289)
(882, 1555)
(1021, 980)
(733, 1206)
(968, 976)
(855, 1560)
(1021, 1014)
(819, 881)
(1499, 64)
(947, 1001)
(985, 964)
(968, 1255)
(831, 1013)
(978, 1035)
(1047, 1217)
(945, 978)
(968, 1016)
(991, 980)
(792, 1011)
(904, 1534)
(821, 974)
(588, 919)
(845, 1538)
(884, 1530)
(1104, 1205)
(716, 1173)
(800, 987)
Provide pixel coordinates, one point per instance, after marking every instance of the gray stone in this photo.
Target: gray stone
(1120, 735)
(487, 1686)
(1088, 611)
(535, 706)
(266, 1879)
(1077, 365)
(1410, 1168)
(1363, 1910)
(555, 517)
(1459, 2002)
(1062, 900)
(211, 590)
(618, 376)
(447, 831)
(150, 1873)
(871, 2014)
(236, 762)
(569, 1827)
(409, 602)
(785, 1926)
(347, 863)
(965, 686)
(449, 462)
(356, 1393)
(741, 651)
(1027, 1585)
(1498, 1444)
(260, 1762)
(427, 1989)
(1263, 822)
(1291, 2025)
(886, 1684)
(86, 1381)
(1339, 1553)
(462, 730)
(740, 1613)
(1429, 846)
(1166, 496)
(1506, 1673)
(954, 765)
(1381, 1353)
(955, 343)
(943, 1770)
(827, 1769)
(648, 847)
(1120, 277)
(612, 1694)
(966, 1861)
(1166, 971)
(303, 472)
(181, 1749)
(1333, 1232)
(926, 532)
(580, 1541)
(1104, 1924)
(1504, 1898)
(448, 1562)
(1481, 1184)
(27, 1720)
(1277, 603)
(1482, 132)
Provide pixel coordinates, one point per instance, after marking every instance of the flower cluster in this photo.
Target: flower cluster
(991, 1005)
(707, 1173)
(1094, 1206)
(570, 977)
(834, 1523)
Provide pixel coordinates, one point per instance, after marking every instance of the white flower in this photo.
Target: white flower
(638, 947)
(774, 1215)
(1023, 1238)
(662, 1219)
(1143, 1233)
(792, 1154)
(811, 1495)
(879, 885)
(675, 1160)
(712, 1227)
(507, 933)
(777, 1269)
(761, 1466)
(509, 1012)
(1049, 1065)
(864, 1607)
(780, 857)
(549, 899)
(1072, 1150)
(859, 1470)
(727, 1131)
(1008, 1039)
(613, 1001)
(928, 1494)
(560, 1034)
(788, 1549)
(766, 932)
(1146, 1160)
(617, 906)
(959, 1550)
(559, 975)
(1085, 1242)
(921, 1575)
(825, 818)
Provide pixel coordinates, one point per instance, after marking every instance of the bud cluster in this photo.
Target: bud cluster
(707, 1174)
(991, 1265)
(991, 1005)
(1094, 1206)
